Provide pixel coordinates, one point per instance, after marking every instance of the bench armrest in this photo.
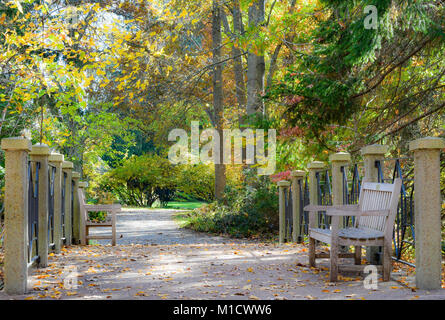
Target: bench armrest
(102, 207)
(312, 208)
(357, 213)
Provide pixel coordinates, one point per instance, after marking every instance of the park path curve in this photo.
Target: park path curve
(155, 259)
(142, 226)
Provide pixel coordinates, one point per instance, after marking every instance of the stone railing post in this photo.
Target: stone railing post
(371, 154)
(76, 211)
(338, 160)
(297, 179)
(282, 208)
(68, 166)
(82, 222)
(40, 153)
(16, 214)
(313, 168)
(56, 159)
(427, 211)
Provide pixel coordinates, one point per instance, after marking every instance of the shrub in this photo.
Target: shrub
(197, 182)
(245, 211)
(164, 195)
(140, 181)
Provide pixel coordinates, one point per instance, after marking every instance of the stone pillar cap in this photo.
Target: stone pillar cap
(75, 175)
(40, 149)
(56, 157)
(298, 174)
(83, 184)
(374, 149)
(427, 143)
(340, 156)
(16, 143)
(67, 165)
(283, 183)
(316, 165)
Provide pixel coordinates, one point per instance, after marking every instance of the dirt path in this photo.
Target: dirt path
(156, 260)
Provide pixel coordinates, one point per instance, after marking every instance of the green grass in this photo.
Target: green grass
(184, 205)
(182, 219)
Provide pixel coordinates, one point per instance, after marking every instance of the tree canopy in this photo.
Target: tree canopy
(104, 82)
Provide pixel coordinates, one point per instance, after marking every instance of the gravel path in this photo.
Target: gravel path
(141, 226)
(155, 259)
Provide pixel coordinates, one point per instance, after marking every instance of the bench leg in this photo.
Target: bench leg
(113, 240)
(387, 261)
(113, 228)
(333, 270)
(358, 255)
(311, 252)
(83, 236)
(87, 233)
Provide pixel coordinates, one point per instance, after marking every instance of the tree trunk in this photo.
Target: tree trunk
(255, 62)
(218, 108)
(238, 68)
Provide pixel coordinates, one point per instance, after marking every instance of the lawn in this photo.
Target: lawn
(184, 205)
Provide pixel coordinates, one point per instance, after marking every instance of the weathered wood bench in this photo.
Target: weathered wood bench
(374, 222)
(86, 223)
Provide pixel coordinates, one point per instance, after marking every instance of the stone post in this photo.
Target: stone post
(67, 167)
(313, 168)
(427, 211)
(82, 222)
(371, 154)
(40, 153)
(16, 214)
(56, 159)
(338, 160)
(282, 217)
(76, 211)
(297, 179)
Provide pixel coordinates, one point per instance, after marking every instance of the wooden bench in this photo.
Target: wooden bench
(86, 223)
(374, 222)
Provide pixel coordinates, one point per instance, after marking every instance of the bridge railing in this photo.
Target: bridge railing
(40, 189)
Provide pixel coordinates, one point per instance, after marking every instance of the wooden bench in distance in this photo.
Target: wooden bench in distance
(374, 222)
(86, 223)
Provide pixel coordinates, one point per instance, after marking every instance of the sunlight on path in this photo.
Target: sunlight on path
(170, 263)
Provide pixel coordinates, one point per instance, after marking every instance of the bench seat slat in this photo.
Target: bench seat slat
(350, 233)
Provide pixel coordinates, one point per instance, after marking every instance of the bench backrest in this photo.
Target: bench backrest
(379, 196)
